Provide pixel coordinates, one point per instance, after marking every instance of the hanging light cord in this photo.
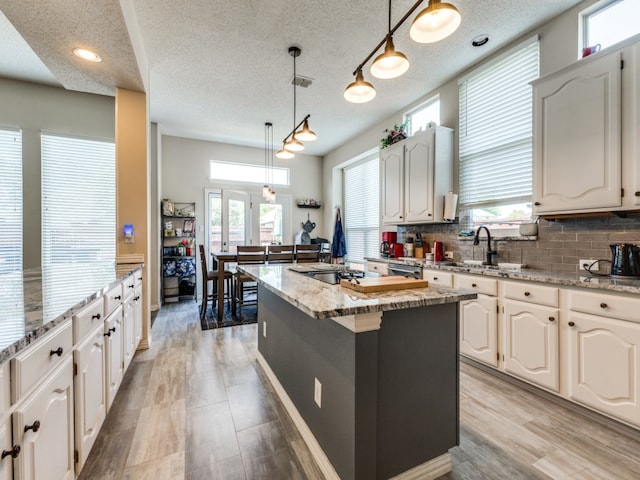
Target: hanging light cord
(391, 32)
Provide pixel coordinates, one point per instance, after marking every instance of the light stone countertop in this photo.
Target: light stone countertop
(624, 285)
(321, 300)
(34, 301)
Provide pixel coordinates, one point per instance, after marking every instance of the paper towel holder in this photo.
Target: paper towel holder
(450, 206)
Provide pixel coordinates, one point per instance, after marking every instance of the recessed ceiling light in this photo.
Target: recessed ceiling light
(87, 55)
(480, 40)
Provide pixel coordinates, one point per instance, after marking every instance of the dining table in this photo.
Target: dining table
(219, 259)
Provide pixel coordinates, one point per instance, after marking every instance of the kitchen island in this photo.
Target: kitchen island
(371, 380)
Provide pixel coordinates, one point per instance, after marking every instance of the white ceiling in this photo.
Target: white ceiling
(219, 70)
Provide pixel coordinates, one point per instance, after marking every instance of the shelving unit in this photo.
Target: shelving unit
(178, 252)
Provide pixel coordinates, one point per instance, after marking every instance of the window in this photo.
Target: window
(609, 22)
(361, 215)
(11, 200)
(496, 138)
(245, 173)
(419, 117)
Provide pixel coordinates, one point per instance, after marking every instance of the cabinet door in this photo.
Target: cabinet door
(577, 138)
(47, 445)
(113, 354)
(6, 464)
(604, 365)
(531, 342)
(90, 392)
(479, 329)
(418, 179)
(128, 332)
(391, 181)
(137, 311)
(631, 122)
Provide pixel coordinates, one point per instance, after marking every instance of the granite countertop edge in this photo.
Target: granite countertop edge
(34, 334)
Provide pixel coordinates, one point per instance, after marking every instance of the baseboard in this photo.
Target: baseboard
(430, 470)
(305, 432)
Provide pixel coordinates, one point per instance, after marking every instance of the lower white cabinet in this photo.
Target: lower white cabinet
(604, 364)
(137, 315)
(43, 427)
(128, 331)
(90, 392)
(8, 450)
(479, 329)
(531, 342)
(438, 277)
(113, 354)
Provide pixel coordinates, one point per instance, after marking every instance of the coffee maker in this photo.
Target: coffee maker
(625, 260)
(388, 240)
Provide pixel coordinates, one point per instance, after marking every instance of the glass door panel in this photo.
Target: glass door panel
(236, 225)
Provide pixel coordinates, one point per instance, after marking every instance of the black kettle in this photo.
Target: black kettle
(625, 260)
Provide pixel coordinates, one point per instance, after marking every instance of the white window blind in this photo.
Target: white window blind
(361, 215)
(496, 129)
(11, 200)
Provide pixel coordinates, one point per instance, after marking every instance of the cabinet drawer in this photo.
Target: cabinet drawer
(86, 319)
(138, 277)
(381, 268)
(128, 286)
(438, 277)
(33, 364)
(487, 286)
(530, 293)
(112, 299)
(612, 306)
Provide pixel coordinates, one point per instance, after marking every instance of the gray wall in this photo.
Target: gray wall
(34, 108)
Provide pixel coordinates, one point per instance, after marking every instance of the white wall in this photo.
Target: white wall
(34, 108)
(559, 46)
(185, 176)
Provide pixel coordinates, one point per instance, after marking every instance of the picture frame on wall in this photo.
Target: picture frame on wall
(168, 209)
(188, 227)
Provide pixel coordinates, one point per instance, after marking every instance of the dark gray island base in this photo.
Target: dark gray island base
(389, 385)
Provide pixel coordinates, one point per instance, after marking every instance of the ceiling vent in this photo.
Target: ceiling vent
(300, 81)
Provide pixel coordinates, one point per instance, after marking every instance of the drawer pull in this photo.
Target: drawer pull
(435, 278)
(552, 319)
(58, 351)
(132, 286)
(136, 298)
(35, 426)
(604, 305)
(110, 331)
(537, 204)
(97, 316)
(118, 297)
(474, 285)
(571, 324)
(14, 452)
(526, 294)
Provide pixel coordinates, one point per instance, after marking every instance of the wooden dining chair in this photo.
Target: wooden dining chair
(246, 288)
(308, 253)
(211, 276)
(281, 254)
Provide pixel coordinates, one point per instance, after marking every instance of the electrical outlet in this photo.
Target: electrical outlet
(264, 329)
(448, 255)
(317, 393)
(588, 264)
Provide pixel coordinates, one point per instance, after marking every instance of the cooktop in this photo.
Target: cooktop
(334, 277)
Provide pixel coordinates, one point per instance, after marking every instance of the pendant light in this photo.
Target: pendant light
(292, 142)
(390, 64)
(359, 91)
(268, 193)
(437, 21)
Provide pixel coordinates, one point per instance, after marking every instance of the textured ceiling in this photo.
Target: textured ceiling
(219, 70)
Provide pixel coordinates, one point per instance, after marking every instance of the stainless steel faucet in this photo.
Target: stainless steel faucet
(490, 252)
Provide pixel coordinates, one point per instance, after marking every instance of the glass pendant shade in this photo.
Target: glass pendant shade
(390, 64)
(293, 145)
(437, 21)
(306, 134)
(359, 91)
(284, 153)
(265, 191)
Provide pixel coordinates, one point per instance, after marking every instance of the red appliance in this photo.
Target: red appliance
(438, 251)
(398, 250)
(388, 240)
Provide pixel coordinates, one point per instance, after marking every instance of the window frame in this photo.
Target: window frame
(408, 115)
(583, 24)
(265, 174)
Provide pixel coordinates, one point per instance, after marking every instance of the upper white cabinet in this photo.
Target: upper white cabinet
(586, 146)
(415, 175)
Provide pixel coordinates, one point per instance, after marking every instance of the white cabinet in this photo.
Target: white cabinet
(530, 319)
(43, 426)
(479, 319)
(8, 449)
(438, 277)
(378, 267)
(603, 359)
(137, 314)
(90, 391)
(114, 363)
(415, 175)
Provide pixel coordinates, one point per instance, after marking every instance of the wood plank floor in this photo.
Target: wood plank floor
(197, 406)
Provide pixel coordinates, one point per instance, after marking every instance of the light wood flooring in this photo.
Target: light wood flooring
(197, 406)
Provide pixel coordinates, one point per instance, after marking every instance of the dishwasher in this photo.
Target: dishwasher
(403, 270)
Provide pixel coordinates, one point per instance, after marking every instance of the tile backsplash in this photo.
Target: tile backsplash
(559, 246)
